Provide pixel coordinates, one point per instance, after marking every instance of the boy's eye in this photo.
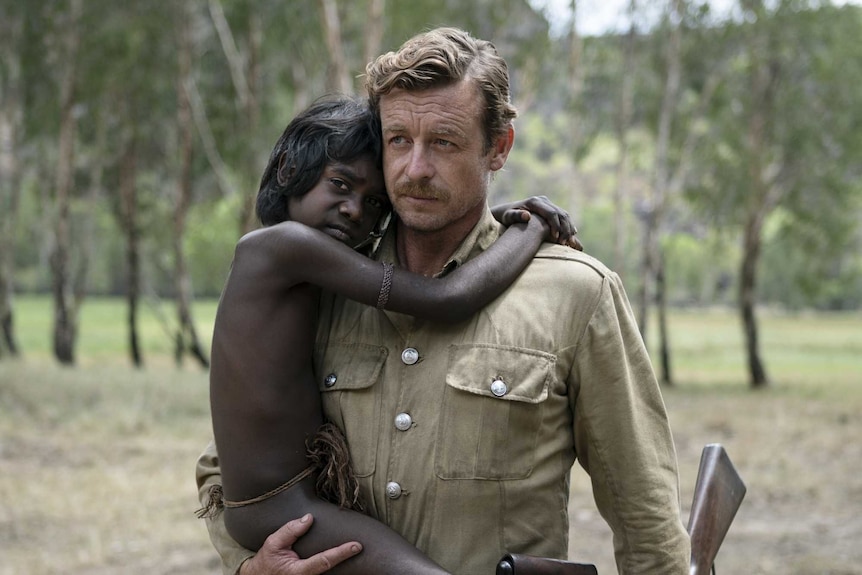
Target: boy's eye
(340, 184)
(375, 202)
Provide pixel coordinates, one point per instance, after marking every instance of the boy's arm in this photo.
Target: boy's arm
(562, 229)
(310, 256)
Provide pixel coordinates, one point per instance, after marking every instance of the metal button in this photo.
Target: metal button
(330, 380)
(393, 490)
(499, 388)
(410, 356)
(403, 421)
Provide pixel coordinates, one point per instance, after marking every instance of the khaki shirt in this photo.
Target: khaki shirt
(463, 435)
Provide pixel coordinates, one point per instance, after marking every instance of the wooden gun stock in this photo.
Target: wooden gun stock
(718, 494)
(514, 564)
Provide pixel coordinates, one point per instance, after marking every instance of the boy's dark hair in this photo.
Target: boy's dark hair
(333, 129)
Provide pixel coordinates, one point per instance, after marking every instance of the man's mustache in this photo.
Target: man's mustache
(420, 190)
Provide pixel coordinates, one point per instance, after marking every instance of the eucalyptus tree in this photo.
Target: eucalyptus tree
(785, 138)
(12, 20)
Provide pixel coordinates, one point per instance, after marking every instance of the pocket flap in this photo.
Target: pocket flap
(350, 366)
(501, 372)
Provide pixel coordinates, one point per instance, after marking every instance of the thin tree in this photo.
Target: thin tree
(186, 338)
(128, 217)
(65, 312)
(245, 75)
(10, 175)
(337, 78)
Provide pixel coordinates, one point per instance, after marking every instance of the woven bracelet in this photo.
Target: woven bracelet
(386, 286)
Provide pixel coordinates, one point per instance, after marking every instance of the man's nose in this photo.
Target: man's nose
(351, 208)
(419, 166)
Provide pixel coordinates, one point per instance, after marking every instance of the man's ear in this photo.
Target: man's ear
(284, 172)
(501, 148)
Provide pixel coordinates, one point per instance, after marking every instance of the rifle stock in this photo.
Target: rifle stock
(718, 494)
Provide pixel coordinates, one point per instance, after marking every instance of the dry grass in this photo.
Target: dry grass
(97, 462)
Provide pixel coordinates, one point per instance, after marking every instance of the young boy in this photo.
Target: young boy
(321, 197)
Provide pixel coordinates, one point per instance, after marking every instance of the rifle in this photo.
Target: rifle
(718, 494)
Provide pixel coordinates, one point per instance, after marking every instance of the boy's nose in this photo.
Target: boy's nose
(351, 209)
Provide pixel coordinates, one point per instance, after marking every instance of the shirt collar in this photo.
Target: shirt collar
(483, 234)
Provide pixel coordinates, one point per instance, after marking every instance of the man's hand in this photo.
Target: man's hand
(562, 230)
(277, 557)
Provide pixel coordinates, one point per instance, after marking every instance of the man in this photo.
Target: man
(463, 436)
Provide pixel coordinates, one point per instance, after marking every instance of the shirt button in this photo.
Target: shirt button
(393, 490)
(403, 421)
(499, 388)
(330, 380)
(409, 356)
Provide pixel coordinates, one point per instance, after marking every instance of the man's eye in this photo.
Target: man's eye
(442, 142)
(397, 140)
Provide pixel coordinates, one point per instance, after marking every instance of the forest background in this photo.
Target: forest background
(711, 156)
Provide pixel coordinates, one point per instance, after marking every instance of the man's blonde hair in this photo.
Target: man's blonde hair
(441, 57)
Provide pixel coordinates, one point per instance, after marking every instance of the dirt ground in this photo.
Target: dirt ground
(97, 479)
(800, 457)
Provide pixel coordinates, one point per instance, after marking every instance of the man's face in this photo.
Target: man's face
(435, 166)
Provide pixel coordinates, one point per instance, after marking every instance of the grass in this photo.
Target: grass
(97, 461)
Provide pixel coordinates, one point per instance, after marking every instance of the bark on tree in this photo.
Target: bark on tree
(575, 80)
(764, 193)
(373, 30)
(186, 338)
(621, 128)
(130, 227)
(337, 77)
(10, 178)
(246, 81)
(65, 314)
(653, 266)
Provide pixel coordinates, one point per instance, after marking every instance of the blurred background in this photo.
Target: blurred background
(710, 152)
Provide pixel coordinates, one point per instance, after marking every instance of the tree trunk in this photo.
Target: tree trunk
(663, 330)
(575, 80)
(761, 197)
(374, 30)
(186, 335)
(622, 125)
(662, 169)
(129, 221)
(10, 182)
(747, 299)
(337, 78)
(248, 219)
(246, 81)
(65, 318)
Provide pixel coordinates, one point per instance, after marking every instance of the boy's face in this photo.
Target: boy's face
(345, 203)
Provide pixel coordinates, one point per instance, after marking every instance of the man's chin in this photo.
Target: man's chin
(423, 222)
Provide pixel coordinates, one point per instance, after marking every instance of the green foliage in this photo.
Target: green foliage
(127, 81)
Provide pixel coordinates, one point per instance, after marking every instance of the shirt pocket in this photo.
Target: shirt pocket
(347, 374)
(492, 411)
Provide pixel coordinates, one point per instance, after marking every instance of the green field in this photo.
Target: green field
(97, 461)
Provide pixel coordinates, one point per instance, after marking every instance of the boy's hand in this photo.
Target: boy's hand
(562, 231)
